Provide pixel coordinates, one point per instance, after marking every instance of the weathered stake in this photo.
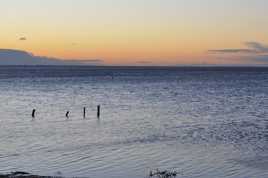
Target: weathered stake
(98, 111)
(84, 112)
(67, 114)
(33, 113)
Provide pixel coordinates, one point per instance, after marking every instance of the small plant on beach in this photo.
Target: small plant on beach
(163, 174)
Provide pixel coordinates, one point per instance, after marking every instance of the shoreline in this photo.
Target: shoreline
(19, 174)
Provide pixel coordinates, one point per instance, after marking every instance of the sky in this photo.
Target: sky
(139, 32)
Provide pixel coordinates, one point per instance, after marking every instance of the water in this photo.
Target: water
(204, 122)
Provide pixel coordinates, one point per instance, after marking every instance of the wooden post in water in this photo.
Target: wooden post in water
(84, 113)
(33, 113)
(98, 111)
(67, 114)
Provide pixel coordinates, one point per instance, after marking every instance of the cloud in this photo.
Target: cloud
(260, 48)
(253, 53)
(86, 61)
(22, 38)
(19, 57)
(252, 48)
(144, 62)
(232, 51)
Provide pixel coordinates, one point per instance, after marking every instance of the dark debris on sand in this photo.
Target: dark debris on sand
(19, 174)
(153, 174)
(163, 174)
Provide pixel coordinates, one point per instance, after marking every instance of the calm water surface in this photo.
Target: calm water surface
(203, 122)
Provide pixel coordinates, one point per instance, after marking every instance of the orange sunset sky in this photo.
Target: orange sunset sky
(139, 32)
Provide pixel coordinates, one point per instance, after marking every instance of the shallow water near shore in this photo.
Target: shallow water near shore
(202, 121)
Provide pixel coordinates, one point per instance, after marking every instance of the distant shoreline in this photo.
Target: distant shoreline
(143, 66)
